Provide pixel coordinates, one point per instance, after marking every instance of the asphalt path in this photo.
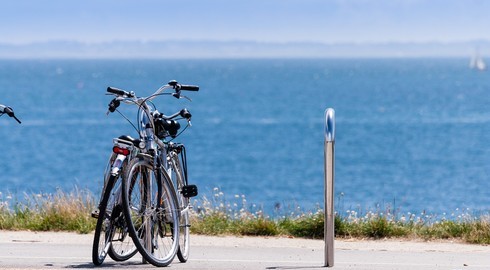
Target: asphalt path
(49, 250)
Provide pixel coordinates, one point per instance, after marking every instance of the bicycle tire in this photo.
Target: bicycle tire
(176, 174)
(122, 247)
(150, 208)
(103, 231)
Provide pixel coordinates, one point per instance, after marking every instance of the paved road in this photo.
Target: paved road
(26, 250)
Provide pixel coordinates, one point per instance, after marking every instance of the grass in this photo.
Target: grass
(48, 212)
(217, 215)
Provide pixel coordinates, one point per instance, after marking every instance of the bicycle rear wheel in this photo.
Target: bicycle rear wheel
(103, 229)
(122, 246)
(151, 210)
(110, 233)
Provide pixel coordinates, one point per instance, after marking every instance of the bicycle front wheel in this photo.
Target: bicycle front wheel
(150, 208)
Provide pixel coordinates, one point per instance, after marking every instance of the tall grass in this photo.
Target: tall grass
(215, 214)
(58, 211)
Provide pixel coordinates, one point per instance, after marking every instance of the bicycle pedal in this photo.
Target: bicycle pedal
(95, 213)
(189, 191)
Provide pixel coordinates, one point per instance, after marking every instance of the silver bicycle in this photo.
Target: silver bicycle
(155, 192)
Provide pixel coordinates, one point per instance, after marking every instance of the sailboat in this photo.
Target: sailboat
(477, 62)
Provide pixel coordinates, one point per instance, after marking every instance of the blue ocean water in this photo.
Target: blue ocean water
(410, 133)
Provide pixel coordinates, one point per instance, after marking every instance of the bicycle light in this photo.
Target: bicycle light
(119, 150)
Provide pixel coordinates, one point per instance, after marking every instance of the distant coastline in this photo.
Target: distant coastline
(237, 49)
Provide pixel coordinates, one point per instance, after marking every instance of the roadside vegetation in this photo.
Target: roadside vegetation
(218, 215)
(48, 212)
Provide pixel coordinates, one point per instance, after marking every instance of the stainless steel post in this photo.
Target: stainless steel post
(329, 232)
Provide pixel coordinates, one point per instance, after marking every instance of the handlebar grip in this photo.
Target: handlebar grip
(185, 113)
(116, 91)
(189, 87)
(9, 111)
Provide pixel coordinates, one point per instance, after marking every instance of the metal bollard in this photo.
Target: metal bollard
(329, 231)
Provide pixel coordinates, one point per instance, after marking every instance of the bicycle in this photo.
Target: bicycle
(155, 208)
(111, 234)
(9, 111)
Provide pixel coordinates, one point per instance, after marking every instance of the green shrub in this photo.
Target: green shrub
(478, 232)
(308, 226)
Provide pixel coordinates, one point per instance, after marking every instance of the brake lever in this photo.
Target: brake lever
(178, 95)
(113, 106)
(17, 119)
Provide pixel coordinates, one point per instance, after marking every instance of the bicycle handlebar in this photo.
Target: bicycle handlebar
(130, 97)
(189, 87)
(148, 115)
(9, 111)
(119, 92)
(178, 86)
(174, 84)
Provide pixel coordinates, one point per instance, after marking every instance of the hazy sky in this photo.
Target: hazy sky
(24, 21)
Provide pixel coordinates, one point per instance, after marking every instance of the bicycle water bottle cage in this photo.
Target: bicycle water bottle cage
(189, 191)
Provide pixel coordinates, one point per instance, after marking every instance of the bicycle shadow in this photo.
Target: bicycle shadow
(118, 265)
(294, 267)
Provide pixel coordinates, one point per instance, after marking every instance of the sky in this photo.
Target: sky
(325, 21)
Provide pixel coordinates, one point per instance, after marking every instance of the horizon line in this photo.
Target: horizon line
(190, 40)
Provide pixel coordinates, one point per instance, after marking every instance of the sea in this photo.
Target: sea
(411, 134)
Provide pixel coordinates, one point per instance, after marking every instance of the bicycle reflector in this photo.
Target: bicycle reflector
(122, 151)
